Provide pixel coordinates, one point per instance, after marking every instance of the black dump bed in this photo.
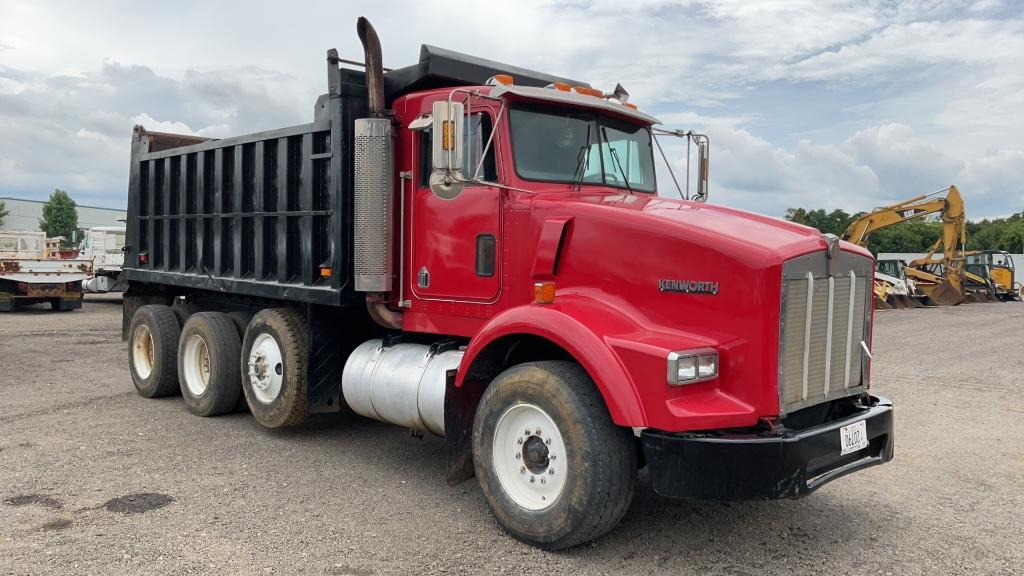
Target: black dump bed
(270, 214)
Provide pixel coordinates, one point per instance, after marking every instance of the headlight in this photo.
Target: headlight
(689, 366)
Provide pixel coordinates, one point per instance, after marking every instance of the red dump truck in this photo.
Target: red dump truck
(479, 251)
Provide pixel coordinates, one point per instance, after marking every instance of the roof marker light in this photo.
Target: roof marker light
(587, 91)
(630, 105)
(499, 79)
(560, 86)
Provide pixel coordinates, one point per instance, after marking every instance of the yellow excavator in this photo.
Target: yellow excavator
(997, 266)
(946, 289)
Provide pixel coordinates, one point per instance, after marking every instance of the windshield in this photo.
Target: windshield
(888, 267)
(558, 145)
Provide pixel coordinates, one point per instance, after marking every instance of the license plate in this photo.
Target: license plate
(853, 437)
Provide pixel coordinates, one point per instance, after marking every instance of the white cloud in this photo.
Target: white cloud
(919, 93)
(154, 125)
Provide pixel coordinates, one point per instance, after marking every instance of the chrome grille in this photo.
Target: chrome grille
(824, 318)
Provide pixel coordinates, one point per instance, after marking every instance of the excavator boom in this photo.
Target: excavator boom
(945, 290)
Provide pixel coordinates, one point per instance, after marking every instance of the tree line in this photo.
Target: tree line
(918, 235)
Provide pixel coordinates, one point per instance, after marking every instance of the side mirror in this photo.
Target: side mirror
(703, 154)
(446, 180)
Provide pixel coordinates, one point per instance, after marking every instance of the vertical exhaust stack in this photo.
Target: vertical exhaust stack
(374, 67)
(374, 170)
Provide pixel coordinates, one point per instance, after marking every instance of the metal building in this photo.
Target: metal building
(25, 215)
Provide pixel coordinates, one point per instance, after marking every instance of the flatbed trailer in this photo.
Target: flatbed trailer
(27, 277)
(478, 251)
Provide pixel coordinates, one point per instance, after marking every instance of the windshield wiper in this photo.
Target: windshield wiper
(615, 156)
(582, 163)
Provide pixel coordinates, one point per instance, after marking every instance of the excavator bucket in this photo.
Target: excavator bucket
(896, 301)
(947, 293)
(906, 301)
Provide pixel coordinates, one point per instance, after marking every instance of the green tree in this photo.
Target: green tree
(3, 213)
(918, 235)
(60, 215)
(834, 222)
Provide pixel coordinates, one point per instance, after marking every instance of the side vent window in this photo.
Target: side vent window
(485, 255)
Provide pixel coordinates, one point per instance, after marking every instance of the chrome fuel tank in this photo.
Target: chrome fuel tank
(402, 384)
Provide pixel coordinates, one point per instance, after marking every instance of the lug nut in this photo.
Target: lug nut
(519, 440)
(532, 479)
(518, 455)
(527, 431)
(543, 481)
(537, 432)
(522, 469)
(551, 456)
(547, 441)
(551, 471)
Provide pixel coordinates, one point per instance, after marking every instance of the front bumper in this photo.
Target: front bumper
(779, 464)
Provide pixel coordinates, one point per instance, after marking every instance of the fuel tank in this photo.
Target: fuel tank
(401, 384)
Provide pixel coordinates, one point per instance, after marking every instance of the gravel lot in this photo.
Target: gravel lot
(97, 480)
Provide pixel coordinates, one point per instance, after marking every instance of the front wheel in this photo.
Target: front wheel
(553, 467)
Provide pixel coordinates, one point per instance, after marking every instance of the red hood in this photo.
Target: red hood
(728, 229)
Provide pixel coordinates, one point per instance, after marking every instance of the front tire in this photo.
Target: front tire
(153, 350)
(553, 467)
(274, 367)
(208, 353)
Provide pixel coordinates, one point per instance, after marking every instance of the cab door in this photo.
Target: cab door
(456, 244)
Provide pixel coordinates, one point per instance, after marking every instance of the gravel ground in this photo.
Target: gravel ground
(97, 480)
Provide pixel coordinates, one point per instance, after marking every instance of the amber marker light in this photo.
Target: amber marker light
(325, 272)
(588, 91)
(544, 292)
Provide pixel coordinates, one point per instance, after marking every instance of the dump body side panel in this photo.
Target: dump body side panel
(266, 215)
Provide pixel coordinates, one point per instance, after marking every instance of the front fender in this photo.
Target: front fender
(622, 354)
(566, 324)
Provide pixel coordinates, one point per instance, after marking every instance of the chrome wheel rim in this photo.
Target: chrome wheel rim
(265, 368)
(196, 364)
(528, 455)
(142, 351)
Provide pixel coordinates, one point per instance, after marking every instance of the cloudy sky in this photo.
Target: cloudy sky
(807, 103)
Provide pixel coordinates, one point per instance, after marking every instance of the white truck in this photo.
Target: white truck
(29, 276)
(103, 247)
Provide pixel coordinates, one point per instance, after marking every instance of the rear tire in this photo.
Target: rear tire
(65, 304)
(152, 350)
(182, 311)
(208, 353)
(553, 467)
(241, 321)
(273, 367)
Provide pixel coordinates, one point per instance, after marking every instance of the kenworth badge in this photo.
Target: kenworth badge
(688, 286)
